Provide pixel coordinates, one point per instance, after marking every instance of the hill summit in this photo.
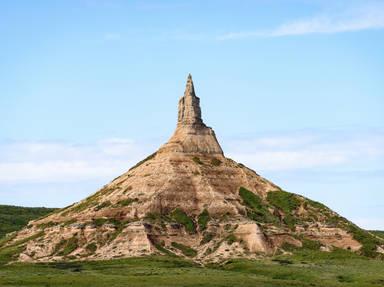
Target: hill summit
(188, 199)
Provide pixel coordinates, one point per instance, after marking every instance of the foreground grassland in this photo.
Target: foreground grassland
(307, 268)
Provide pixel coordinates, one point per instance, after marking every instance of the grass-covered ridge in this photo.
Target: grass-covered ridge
(13, 218)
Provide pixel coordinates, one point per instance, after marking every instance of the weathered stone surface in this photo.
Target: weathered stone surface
(192, 135)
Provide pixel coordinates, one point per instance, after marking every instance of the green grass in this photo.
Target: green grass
(378, 233)
(91, 248)
(257, 209)
(368, 241)
(67, 246)
(287, 202)
(126, 202)
(13, 218)
(203, 220)
(103, 205)
(181, 217)
(186, 250)
(283, 200)
(325, 270)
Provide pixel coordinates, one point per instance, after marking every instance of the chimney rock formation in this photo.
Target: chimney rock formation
(187, 196)
(192, 135)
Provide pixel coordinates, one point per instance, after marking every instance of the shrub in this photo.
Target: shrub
(203, 219)
(181, 217)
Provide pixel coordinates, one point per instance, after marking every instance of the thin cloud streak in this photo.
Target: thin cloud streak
(363, 18)
(64, 162)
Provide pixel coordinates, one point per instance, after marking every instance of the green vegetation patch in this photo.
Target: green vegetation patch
(231, 239)
(216, 162)
(203, 219)
(160, 246)
(369, 241)
(250, 199)
(100, 221)
(126, 202)
(103, 205)
(207, 237)
(197, 160)
(13, 218)
(378, 233)
(10, 252)
(257, 211)
(186, 250)
(91, 200)
(287, 202)
(310, 268)
(91, 248)
(67, 246)
(181, 217)
(283, 200)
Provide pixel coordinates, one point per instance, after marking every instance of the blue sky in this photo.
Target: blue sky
(294, 89)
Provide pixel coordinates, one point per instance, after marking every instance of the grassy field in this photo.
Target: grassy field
(307, 268)
(13, 218)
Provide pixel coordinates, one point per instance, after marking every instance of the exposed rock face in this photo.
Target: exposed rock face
(189, 107)
(187, 199)
(192, 135)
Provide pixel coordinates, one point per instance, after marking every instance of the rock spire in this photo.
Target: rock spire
(189, 106)
(191, 134)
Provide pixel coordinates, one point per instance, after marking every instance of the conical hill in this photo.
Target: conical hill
(188, 199)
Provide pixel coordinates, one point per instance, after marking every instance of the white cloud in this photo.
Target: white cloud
(353, 19)
(22, 162)
(309, 151)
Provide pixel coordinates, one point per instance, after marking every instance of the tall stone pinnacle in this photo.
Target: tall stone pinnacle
(189, 106)
(192, 136)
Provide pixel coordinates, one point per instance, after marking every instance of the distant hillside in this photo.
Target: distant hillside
(13, 218)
